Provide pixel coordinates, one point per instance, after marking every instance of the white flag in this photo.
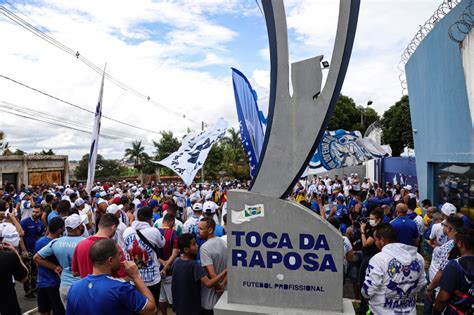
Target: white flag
(192, 154)
(95, 140)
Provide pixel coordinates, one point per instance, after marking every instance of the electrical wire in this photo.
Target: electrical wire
(65, 122)
(39, 33)
(73, 105)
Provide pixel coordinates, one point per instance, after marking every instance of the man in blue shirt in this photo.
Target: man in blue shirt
(63, 249)
(407, 231)
(34, 229)
(48, 280)
(100, 293)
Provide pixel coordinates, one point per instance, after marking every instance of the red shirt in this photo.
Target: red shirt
(82, 263)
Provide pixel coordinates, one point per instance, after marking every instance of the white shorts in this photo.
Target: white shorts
(165, 292)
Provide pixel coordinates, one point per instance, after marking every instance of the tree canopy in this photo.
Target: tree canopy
(105, 169)
(396, 126)
(347, 115)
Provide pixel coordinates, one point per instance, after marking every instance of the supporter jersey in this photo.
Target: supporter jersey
(63, 249)
(104, 294)
(33, 231)
(438, 234)
(46, 277)
(171, 243)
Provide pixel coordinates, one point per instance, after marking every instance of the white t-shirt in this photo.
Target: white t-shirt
(119, 235)
(438, 234)
(144, 256)
(25, 209)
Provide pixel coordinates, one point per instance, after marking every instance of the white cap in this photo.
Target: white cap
(193, 189)
(79, 202)
(113, 208)
(448, 209)
(74, 220)
(197, 206)
(103, 194)
(69, 191)
(65, 198)
(209, 209)
(10, 235)
(101, 201)
(208, 197)
(408, 187)
(138, 193)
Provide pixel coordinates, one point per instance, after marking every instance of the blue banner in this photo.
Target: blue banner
(341, 148)
(251, 130)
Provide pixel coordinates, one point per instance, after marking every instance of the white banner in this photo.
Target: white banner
(192, 154)
(95, 140)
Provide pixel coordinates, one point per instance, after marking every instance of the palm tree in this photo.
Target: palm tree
(4, 147)
(139, 156)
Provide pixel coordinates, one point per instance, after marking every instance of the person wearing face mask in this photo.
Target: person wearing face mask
(394, 276)
(63, 248)
(369, 249)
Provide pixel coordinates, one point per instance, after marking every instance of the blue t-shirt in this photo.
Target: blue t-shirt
(63, 248)
(341, 211)
(104, 294)
(219, 231)
(46, 277)
(407, 231)
(33, 231)
(52, 214)
(466, 222)
(315, 206)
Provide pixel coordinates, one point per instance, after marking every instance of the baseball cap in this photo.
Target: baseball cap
(10, 235)
(103, 194)
(208, 197)
(448, 209)
(208, 209)
(74, 220)
(197, 206)
(408, 187)
(79, 202)
(138, 193)
(113, 208)
(101, 201)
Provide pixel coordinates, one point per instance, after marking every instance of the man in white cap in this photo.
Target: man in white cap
(115, 210)
(437, 235)
(193, 220)
(63, 249)
(209, 204)
(209, 211)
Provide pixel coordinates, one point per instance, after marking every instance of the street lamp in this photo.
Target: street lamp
(362, 111)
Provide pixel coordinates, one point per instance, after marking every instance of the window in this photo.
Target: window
(455, 184)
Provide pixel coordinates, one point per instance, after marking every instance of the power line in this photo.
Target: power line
(31, 28)
(63, 122)
(73, 105)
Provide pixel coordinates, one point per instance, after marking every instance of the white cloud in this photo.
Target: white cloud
(168, 49)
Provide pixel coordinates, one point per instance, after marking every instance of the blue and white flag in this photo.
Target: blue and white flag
(192, 153)
(251, 130)
(341, 148)
(95, 140)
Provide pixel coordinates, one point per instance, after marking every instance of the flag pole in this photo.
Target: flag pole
(95, 138)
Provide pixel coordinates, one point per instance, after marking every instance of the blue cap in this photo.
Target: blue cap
(339, 197)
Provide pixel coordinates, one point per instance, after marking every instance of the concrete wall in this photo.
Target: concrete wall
(440, 111)
(24, 165)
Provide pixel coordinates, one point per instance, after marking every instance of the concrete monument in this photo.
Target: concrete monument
(282, 257)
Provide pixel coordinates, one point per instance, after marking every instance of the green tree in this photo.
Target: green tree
(44, 152)
(19, 152)
(347, 115)
(396, 126)
(4, 147)
(105, 169)
(138, 155)
(164, 147)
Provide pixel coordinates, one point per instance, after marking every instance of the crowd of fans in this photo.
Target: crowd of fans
(130, 248)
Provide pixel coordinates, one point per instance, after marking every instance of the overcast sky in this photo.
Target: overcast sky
(179, 53)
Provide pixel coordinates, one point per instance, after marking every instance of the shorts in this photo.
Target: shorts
(49, 300)
(165, 292)
(63, 291)
(155, 290)
(353, 268)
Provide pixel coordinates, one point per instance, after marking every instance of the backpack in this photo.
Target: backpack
(462, 301)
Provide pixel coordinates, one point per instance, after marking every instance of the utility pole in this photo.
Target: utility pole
(202, 168)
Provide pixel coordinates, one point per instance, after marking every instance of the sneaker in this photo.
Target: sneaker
(30, 296)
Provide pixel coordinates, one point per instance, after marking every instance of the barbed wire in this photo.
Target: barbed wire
(444, 8)
(463, 25)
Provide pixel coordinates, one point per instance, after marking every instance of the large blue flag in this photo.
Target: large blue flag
(251, 130)
(95, 139)
(341, 148)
